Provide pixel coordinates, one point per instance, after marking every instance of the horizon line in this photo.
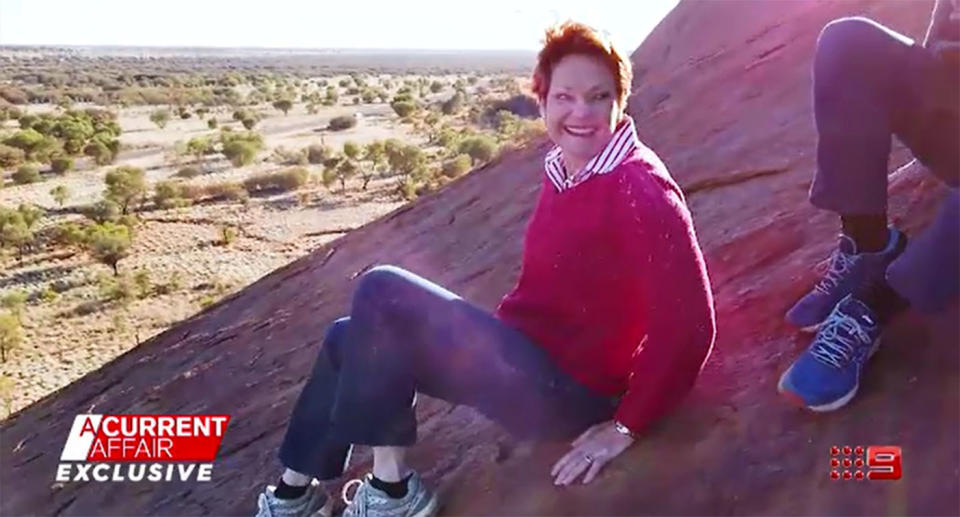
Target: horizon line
(232, 47)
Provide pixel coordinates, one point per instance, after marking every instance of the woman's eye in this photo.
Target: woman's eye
(563, 96)
(601, 96)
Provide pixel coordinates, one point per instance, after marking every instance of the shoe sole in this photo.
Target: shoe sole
(796, 399)
(809, 329)
(431, 509)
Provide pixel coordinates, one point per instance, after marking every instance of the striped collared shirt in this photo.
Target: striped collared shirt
(623, 142)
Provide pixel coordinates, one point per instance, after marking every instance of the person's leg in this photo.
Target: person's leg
(409, 335)
(859, 85)
(827, 375)
(301, 452)
(305, 449)
(928, 273)
(906, 91)
(869, 83)
(389, 463)
(920, 105)
(292, 484)
(406, 334)
(856, 67)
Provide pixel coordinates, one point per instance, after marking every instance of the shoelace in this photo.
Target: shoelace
(838, 339)
(346, 488)
(839, 263)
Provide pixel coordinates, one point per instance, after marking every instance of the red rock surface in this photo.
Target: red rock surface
(723, 95)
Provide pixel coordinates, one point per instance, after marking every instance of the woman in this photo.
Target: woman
(605, 331)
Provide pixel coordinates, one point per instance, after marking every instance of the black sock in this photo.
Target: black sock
(870, 232)
(882, 299)
(285, 491)
(395, 490)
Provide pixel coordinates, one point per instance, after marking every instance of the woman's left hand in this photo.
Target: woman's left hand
(591, 451)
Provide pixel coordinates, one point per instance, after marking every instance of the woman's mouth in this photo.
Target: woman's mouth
(580, 131)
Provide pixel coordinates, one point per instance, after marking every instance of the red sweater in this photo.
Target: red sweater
(614, 286)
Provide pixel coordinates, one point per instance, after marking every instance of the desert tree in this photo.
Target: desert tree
(61, 164)
(240, 148)
(109, 243)
(479, 148)
(318, 153)
(26, 173)
(199, 147)
(457, 166)
(124, 185)
(60, 194)
(15, 301)
(16, 227)
(283, 105)
(351, 150)
(160, 117)
(403, 108)
(11, 335)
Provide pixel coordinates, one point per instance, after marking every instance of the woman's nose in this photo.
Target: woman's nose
(581, 108)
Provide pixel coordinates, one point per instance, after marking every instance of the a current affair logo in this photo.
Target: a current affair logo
(141, 448)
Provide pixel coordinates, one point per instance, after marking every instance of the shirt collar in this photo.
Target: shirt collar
(623, 142)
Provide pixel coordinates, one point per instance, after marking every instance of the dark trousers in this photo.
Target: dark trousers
(871, 83)
(405, 335)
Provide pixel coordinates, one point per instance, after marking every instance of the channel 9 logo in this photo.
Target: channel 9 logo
(874, 462)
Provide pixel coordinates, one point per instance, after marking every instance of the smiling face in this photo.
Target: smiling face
(580, 109)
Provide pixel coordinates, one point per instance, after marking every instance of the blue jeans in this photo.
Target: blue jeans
(871, 83)
(405, 335)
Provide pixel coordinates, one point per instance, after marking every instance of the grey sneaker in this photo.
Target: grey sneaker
(846, 271)
(368, 501)
(314, 503)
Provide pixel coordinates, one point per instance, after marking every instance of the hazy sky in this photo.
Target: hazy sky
(422, 24)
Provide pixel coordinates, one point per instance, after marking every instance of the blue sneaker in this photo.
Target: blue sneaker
(827, 375)
(846, 271)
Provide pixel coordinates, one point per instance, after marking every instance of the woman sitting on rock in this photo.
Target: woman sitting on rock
(605, 331)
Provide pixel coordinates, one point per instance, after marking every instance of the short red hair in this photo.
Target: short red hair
(577, 38)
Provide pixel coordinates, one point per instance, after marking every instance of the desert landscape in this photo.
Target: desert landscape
(196, 172)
